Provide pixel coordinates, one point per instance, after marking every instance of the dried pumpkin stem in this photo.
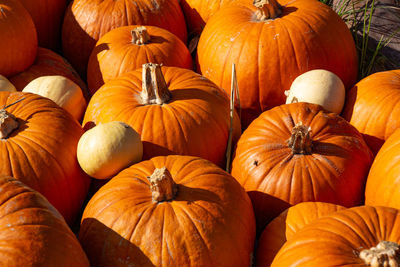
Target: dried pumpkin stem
(300, 141)
(140, 36)
(385, 254)
(154, 87)
(162, 186)
(267, 9)
(8, 122)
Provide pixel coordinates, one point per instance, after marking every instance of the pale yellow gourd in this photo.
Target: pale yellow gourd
(6, 85)
(107, 148)
(320, 87)
(62, 91)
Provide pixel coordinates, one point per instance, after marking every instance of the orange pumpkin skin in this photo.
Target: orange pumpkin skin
(270, 55)
(47, 16)
(41, 152)
(81, 28)
(275, 177)
(372, 107)
(338, 239)
(115, 54)
(194, 122)
(18, 38)
(283, 227)
(47, 63)
(384, 176)
(32, 227)
(198, 227)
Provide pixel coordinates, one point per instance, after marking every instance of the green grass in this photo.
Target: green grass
(358, 15)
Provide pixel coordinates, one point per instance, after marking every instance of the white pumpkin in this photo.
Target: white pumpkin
(320, 87)
(6, 85)
(62, 91)
(107, 148)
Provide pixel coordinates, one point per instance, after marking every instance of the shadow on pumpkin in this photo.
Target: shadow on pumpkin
(105, 247)
(266, 208)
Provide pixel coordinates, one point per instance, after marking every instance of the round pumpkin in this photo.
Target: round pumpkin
(62, 91)
(299, 152)
(283, 227)
(175, 111)
(173, 210)
(85, 21)
(372, 107)
(107, 148)
(384, 176)
(38, 147)
(128, 48)
(47, 16)
(48, 63)
(19, 42)
(6, 85)
(271, 43)
(33, 232)
(359, 236)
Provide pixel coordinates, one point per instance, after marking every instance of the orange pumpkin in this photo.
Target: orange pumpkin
(33, 232)
(38, 147)
(299, 152)
(283, 227)
(372, 107)
(360, 236)
(47, 16)
(48, 63)
(271, 44)
(128, 48)
(384, 176)
(82, 28)
(175, 111)
(18, 43)
(169, 211)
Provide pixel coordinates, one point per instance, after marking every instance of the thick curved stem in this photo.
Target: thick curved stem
(267, 9)
(154, 87)
(162, 186)
(300, 141)
(385, 254)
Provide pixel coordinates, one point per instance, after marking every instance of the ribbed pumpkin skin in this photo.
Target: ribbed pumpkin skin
(18, 38)
(47, 16)
(42, 151)
(283, 227)
(194, 122)
(86, 21)
(336, 239)
(270, 55)
(33, 232)
(275, 178)
(47, 63)
(373, 107)
(384, 176)
(115, 54)
(210, 222)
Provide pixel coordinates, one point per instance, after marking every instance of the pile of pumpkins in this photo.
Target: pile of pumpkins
(193, 133)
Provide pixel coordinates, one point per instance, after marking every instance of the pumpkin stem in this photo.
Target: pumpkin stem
(300, 141)
(154, 87)
(267, 9)
(8, 122)
(162, 186)
(386, 253)
(140, 36)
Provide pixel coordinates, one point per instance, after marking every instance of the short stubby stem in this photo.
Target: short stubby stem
(300, 141)
(267, 9)
(162, 186)
(8, 123)
(154, 86)
(140, 36)
(385, 254)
